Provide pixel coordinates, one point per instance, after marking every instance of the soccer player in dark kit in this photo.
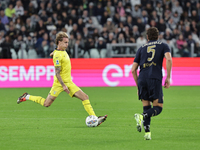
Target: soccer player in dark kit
(149, 58)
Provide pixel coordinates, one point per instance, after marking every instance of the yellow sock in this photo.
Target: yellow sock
(38, 99)
(88, 107)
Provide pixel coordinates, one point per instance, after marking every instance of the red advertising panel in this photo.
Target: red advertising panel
(91, 72)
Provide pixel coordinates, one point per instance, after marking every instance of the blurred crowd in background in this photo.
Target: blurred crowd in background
(30, 26)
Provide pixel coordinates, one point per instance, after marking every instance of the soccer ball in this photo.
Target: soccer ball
(91, 121)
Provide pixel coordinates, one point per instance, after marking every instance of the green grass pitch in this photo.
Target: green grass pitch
(29, 126)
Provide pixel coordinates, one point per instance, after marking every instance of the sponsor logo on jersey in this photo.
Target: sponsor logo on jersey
(57, 62)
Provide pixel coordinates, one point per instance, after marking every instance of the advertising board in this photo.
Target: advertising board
(91, 72)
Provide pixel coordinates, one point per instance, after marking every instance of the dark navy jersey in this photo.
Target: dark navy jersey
(150, 59)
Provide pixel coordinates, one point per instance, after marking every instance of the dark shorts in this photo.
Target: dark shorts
(150, 89)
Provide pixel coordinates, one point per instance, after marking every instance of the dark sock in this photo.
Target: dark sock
(146, 121)
(156, 110)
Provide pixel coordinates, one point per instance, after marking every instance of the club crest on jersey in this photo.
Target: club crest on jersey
(57, 62)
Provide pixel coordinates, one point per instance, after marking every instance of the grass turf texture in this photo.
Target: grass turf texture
(29, 126)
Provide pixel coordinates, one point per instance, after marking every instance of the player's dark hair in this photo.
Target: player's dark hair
(152, 33)
(60, 36)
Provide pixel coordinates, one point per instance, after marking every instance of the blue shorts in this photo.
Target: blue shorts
(150, 89)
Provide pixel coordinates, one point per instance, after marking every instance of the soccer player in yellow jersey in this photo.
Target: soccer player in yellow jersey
(62, 80)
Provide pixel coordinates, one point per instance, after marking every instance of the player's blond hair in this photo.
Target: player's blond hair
(60, 35)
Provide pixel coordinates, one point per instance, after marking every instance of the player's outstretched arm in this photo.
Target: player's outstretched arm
(169, 67)
(57, 70)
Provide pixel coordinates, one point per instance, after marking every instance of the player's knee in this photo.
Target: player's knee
(46, 104)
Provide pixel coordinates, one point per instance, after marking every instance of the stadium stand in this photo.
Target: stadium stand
(93, 24)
